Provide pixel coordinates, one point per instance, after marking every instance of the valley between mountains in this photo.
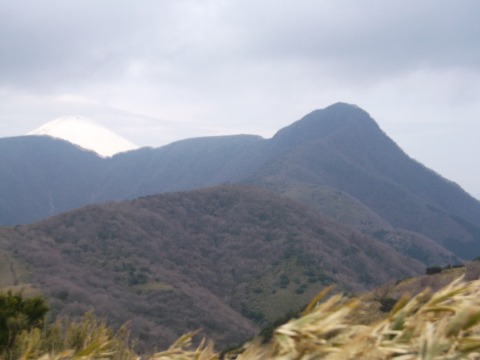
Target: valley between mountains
(225, 233)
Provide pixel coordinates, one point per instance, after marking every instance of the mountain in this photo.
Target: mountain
(341, 148)
(226, 259)
(336, 160)
(86, 134)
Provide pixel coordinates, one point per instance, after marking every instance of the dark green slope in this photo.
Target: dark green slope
(41, 176)
(225, 259)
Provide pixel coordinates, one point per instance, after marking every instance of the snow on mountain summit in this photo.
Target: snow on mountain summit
(86, 134)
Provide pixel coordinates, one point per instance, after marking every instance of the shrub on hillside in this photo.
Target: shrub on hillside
(18, 314)
(433, 270)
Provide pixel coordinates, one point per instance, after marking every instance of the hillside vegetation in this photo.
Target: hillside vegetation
(227, 259)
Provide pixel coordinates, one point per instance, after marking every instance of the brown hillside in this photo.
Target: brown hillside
(226, 259)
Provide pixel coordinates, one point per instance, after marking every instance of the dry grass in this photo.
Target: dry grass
(440, 325)
(443, 325)
(87, 339)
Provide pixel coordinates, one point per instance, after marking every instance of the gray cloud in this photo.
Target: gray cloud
(50, 42)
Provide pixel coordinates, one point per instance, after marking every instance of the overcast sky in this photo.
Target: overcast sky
(158, 71)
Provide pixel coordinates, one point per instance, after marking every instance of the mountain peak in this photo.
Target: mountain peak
(324, 122)
(338, 115)
(344, 105)
(85, 133)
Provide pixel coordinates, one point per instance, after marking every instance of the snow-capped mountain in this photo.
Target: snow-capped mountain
(86, 134)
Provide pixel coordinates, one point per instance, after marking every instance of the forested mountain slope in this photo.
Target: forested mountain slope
(226, 259)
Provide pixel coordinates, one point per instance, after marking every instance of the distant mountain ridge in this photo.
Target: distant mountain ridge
(333, 156)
